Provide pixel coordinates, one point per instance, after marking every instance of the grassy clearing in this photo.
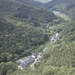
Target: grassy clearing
(64, 16)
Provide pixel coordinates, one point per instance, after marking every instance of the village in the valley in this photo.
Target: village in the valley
(34, 58)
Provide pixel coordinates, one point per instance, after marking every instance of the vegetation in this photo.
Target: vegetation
(25, 29)
(7, 68)
(65, 6)
(23, 12)
(17, 40)
(19, 35)
(34, 3)
(59, 57)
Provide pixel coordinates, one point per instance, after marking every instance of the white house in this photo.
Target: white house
(55, 37)
(34, 55)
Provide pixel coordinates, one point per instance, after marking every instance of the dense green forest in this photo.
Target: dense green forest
(17, 42)
(25, 29)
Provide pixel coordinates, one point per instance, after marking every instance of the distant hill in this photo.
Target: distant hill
(24, 11)
(65, 6)
(55, 2)
(33, 2)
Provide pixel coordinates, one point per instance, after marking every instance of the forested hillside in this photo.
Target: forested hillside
(59, 58)
(26, 29)
(21, 32)
(24, 12)
(65, 6)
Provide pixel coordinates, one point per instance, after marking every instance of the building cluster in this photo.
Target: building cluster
(55, 37)
(34, 58)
